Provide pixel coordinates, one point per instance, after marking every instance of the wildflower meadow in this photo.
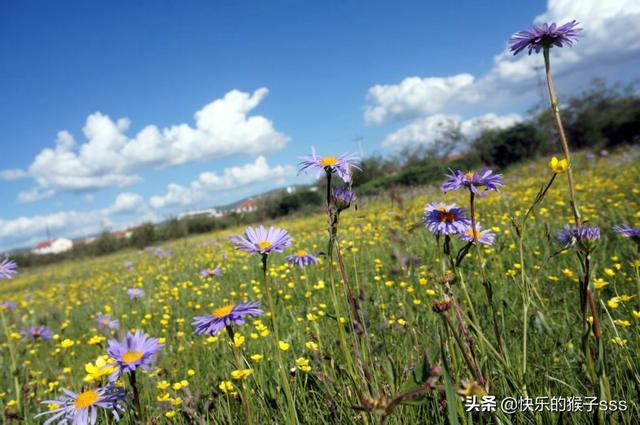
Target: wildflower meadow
(437, 306)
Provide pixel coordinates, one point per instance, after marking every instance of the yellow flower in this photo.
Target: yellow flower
(312, 346)
(67, 343)
(96, 339)
(558, 166)
(303, 364)
(623, 323)
(256, 357)
(95, 371)
(163, 385)
(619, 341)
(238, 340)
(241, 373)
(600, 283)
(227, 387)
(191, 372)
(170, 414)
(283, 345)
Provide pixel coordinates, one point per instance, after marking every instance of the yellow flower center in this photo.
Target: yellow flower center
(302, 253)
(105, 321)
(472, 233)
(223, 311)
(131, 356)
(329, 161)
(263, 245)
(86, 399)
(469, 175)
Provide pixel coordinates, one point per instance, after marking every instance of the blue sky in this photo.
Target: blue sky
(158, 63)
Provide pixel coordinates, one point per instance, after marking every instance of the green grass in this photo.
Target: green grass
(397, 268)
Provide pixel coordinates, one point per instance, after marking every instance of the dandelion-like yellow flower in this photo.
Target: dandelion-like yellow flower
(283, 345)
(558, 166)
(241, 374)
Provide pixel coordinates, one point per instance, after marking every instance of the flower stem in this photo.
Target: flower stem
(239, 365)
(292, 414)
(136, 394)
(555, 110)
(485, 279)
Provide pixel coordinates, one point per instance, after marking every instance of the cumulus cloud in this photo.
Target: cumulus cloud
(109, 157)
(26, 231)
(429, 130)
(416, 96)
(611, 36)
(208, 182)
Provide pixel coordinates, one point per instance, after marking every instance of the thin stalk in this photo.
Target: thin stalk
(136, 394)
(485, 279)
(555, 110)
(292, 414)
(239, 365)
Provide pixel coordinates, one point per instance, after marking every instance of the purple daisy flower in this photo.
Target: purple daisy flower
(128, 265)
(302, 258)
(210, 272)
(7, 305)
(258, 240)
(443, 219)
(485, 237)
(340, 165)
(105, 322)
(135, 351)
(343, 197)
(83, 408)
(37, 332)
(8, 269)
(225, 316)
(458, 180)
(135, 293)
(545, 36)
(626, 231)
(584, 236)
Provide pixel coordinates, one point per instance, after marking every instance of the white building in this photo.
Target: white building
(54, 246)
(208, 212)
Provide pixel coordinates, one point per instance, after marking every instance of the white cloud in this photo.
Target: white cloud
(26, 231)
(34, 194)
(234, 177)
(429, 130)
(611, 37)
(111, 158)
(13, 174)
(415, 96)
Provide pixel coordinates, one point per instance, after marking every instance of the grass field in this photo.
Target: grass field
(403, 363)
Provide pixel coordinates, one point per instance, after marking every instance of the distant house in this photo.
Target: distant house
(122, 234)
(249, 205)
(54, 246)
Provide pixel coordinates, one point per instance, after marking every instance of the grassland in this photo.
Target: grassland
(396, 268)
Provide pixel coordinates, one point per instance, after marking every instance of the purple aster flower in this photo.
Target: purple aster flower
(135, 351)
(343, 197)
(545, 36)
(302, 258)
(105, 322)
(83, 408)
(584, 236)
(8, 269)
(7, 305)
(341, 164)
(37, 332)
(443, 219)
(258, 240)
(210, 272)
(458, 180)
(135, 293)
(225, 316)
(628, 232)
(128, 265)
(485, 237)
